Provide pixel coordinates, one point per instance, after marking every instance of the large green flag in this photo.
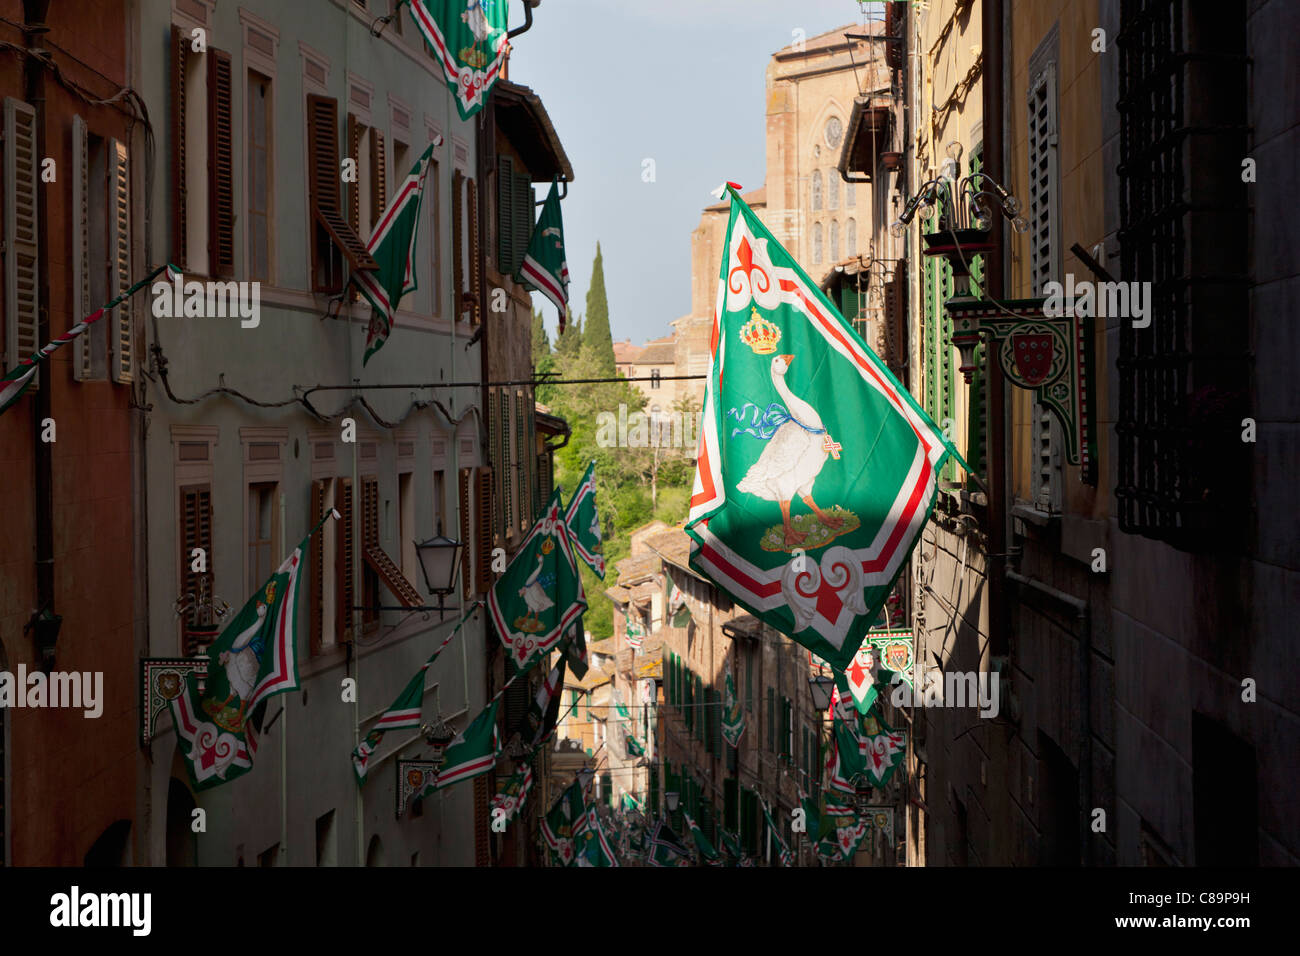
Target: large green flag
(702, 843)
(474, 751)
(392, 245)
(782, 851)
(596, 848)
(254, 659)
(584, 522)
(565, 821)
(512, 794)
(544, 265)
(816, 469)
(468, 38)
(733, 714)
(540, 594)
(866, 751)
(574, 649)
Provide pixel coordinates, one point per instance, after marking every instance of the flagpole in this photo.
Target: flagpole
(284, 746)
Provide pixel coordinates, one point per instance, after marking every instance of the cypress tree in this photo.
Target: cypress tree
(597, 343)
(541, 343)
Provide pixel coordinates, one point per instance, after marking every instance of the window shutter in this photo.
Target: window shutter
(505, 214)
(507, 464)
(196, 532)
(458, 246)
(687, 701)
(83, 357)
(494, 431)
(700, 699)
(378, 176)
(316, 629)
(323, 181)
(465, 562)
(523, 434)
(771, 718)
(221, 176)
(22, 302)
(122, 346)
(475, 273)
(343, 554)
(354, 131)
(484, 530)
(523, 225)
(179, 50)
(482, 822)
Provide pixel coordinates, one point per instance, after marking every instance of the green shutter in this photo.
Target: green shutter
(690, 693)
(929, 395)
(699, 698)
(505, 213)
(524, 219)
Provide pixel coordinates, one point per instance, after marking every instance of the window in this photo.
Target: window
(335, 246)
(464, 240)
(1044, 247)
(406, 525)
(834, 132)
(368, 196)
(91, 263)
(816, 189)
(202, 166)
(263, 512)
(324, 550)
(817, 243)
(832, 189)
(257, 187)
(850, 234)
(654, 378)
(835, 241)
(850, 195)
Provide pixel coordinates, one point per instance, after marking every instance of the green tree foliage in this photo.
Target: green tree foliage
(541, 342)
(597, 342)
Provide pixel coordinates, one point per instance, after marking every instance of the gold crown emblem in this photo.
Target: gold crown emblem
(760, 334)
(548, 546)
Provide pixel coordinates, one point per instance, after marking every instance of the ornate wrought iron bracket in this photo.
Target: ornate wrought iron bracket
(1050, 354)
(162, 680)
(413, 777)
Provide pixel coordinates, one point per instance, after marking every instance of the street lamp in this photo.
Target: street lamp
(438, 562)
(671, 799)
(821, 686)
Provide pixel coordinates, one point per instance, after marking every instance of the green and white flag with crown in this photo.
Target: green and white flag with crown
(254, 659)
(816, 469)
(564, 823)
(733, 714)
(474, 751)
(392, 245)
(540, 595)
(584, 523)
(544, 265)
(512, 794)
(469, 41)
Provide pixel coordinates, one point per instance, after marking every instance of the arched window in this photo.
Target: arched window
(850, 195)
(832, 189)
(816, 190)
(817, 243)
(851, 235)
(835, 241)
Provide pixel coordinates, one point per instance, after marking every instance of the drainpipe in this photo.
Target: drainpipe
(994, 279)
(34, 29)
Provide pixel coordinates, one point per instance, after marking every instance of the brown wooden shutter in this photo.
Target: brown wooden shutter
(457, 239)
(343, 552)
(180, 44)
(323, 181)
(121, 346)
(19, 182)
(378, 176)
(196, 532)
(483, 531)
(83, 366)
(369, 590)
(482, 822)
(355, 129)
(316, 629)
(475, 263)
(221, 175)
(465, 563)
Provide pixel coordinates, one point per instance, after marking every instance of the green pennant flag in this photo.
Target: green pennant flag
(866, 751)
(842, 842)
(731, 843)
(782, 851)
(596, 849)
(666, 849)
(469, 39)
(733, 714)
(512, 794)
(254, 659)
(633, 746)
(540, 594)
(565, 821)
(812, 816)
(584, 523)
(474, 751)
(574, 649)
(817, 470)
(544, 265)
(702, 843)
(392, 245)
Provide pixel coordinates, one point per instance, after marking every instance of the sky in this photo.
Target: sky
(680, 82)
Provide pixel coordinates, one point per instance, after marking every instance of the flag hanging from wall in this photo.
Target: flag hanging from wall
(544, 265)
(702, 843)
(733, 714)
(512, 794)
(584, 523)
(816, 470)
(469, 39)
(473, 752)
(254, 659)
(544, 711)
(596, 850)
(539, 595)
(392, 246)
(574, 649)
(564, 823)
(782, 851)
